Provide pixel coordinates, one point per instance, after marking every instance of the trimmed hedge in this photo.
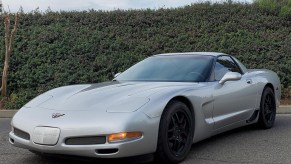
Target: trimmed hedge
(61, 48)
(282, 7)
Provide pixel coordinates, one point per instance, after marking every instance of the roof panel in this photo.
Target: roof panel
(193, 53)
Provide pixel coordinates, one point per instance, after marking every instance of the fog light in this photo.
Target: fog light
(123, 136)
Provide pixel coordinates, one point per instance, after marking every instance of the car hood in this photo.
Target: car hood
(110, 96)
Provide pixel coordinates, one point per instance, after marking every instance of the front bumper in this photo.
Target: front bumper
(139, 146)
(110, 150)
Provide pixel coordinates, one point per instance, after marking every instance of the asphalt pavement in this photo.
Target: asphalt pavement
(243, 145)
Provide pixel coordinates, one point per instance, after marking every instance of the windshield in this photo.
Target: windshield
(175, 68)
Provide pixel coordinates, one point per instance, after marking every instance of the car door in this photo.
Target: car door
(234, 101)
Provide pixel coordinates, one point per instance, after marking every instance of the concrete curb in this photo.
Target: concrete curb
(283, 109)
(7, 113)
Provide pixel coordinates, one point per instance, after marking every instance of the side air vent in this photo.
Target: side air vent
(253, 117)
(93, 140)
(21, 134)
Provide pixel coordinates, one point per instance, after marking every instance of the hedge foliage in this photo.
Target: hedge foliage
(281, 7)
(61, 48)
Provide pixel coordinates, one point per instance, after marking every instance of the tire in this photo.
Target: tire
(267, 113)
(175, 133)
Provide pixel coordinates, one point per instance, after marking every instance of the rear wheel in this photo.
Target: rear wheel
(175, 133)
(267, 109)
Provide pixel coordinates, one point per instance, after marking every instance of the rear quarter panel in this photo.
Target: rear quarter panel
(264, 77)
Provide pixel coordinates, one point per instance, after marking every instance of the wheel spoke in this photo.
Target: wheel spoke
(172, 138)
(181, 120)
(174, 122)
(184, 133)
(268, 112)
(265, 112)
(175, 145)
(267, 99)
(270, 118)
(265, 107)
(171, 145)
(176, 117)
(178, 146)
(171, 130)
(183, 126)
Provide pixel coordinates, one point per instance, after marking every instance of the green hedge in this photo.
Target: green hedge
(281, 7)
(60, 48)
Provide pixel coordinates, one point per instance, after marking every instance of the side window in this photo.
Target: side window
(223, 65)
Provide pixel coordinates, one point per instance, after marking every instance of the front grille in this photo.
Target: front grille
(21, 134)
(93, 140)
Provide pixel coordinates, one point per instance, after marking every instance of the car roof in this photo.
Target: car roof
(193, 53)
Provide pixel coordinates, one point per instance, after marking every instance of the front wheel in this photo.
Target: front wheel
(267, 109)
(175, 133)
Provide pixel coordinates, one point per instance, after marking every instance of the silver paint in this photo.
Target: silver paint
(112, 107)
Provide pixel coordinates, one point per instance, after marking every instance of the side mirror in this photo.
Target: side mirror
(230, 76)
(117, 74)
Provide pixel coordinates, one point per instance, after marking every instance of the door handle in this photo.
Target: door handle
(249, 81)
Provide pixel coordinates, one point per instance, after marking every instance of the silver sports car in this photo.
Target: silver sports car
(159, 106)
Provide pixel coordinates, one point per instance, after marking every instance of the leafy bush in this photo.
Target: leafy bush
(282, 7)
(270, 5)
(53, 49)
(285, 11)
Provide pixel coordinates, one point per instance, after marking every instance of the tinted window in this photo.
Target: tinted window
(223, 65)
(183, 68)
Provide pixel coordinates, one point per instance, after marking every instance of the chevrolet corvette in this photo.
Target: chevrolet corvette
(160, 106)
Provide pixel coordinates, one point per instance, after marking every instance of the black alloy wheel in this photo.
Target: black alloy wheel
(267, 114)
(175, 133)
